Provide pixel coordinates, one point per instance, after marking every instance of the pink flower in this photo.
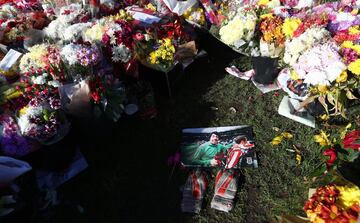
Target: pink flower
(139, 36)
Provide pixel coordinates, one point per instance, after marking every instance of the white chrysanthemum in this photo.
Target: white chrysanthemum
(74, 32)
(295, 47)
(68, 53)
(24, 122)
(242, 27)
(304, 3)
(69, 13)
(121, 53)
(40, 80)
(56, 29)
(316, 77)
(54, 83)
(345, 17)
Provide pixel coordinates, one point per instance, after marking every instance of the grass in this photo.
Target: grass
(128, 179)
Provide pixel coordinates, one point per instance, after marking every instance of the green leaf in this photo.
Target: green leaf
(319, 170)
(351, 155)
(46, 114)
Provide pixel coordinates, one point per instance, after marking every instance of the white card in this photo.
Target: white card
(287, 109)
(9, 60)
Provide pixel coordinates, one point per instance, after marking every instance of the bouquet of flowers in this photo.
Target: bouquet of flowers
(80, 59)
(42, 119)
(341, 145)
(272, 38)
(108, 96)
(238, 31)
(43, 56)
(334, 203)
(164, 45)
(68, 15)
(296, 46)
(118, 41)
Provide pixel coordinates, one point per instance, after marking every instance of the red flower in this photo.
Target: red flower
(96, 97)
(332, 156)
(139, 36)
(352, 140)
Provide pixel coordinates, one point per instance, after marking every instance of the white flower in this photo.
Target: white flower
(75, 31)
(56, 29)
(316, 77)
(297, 46)
(334, 70)
(121, 53)
(304, 3)
(54, 83)
(241, 27)
(41, 79)
(24, 123)
(69, 13)
(68, 53)
(345, 17)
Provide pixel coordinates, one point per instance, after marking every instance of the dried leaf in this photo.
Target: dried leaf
(350, 95)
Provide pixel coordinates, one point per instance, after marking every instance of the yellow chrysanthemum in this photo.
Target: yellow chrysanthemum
(268, 15)
(290, 25)
(354, 30)
(322, 139)
(342, 77)
(351, 45)
(263, 2)
(347, 44)
(349, 195)
(354, 67)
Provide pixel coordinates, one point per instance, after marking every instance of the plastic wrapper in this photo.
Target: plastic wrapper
(179, 7)
(225, 190)
(11, 168)
(75, 99)
(52, 180)
(194, 192)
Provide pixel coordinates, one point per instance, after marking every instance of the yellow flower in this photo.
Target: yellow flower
(347, 44)
(354, 67)
(290, 25)
(322, 89)
(349, 195)
(322, 139)
(151, 7)
(342, 77)
(354, 30)
(263, 2)
(268, 15)
(23, 111)
(277, 140)
(355, 12)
